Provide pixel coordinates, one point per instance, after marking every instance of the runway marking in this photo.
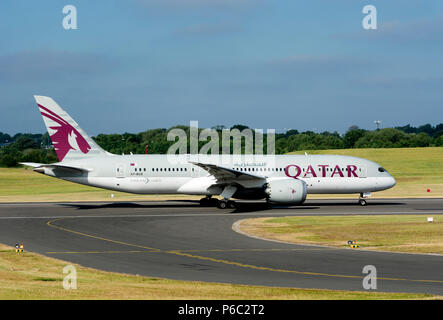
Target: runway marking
(160, 215)
(105, 252)
(163, 251)
(49, 223)
(253, 250)
(234, 263)
(239, 264)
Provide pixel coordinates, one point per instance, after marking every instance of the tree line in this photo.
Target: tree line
(38, 148)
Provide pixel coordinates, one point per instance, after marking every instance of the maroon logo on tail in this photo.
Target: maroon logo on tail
(66, 137)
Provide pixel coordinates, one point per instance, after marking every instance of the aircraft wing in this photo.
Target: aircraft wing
(41, 166)
(222, 173)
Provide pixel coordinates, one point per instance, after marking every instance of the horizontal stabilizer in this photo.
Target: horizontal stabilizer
(32, 164)
(39, 167)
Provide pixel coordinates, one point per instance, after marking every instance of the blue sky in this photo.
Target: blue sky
(140, 64)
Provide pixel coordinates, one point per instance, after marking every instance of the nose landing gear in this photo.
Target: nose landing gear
(363, 196)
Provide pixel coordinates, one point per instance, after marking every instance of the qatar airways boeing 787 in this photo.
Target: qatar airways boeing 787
(280, 179)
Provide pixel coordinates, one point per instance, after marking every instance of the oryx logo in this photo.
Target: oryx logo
(66, 137)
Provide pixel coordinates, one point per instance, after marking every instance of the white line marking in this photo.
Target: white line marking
(226, 214)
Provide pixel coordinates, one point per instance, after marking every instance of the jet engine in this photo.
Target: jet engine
(286, 191)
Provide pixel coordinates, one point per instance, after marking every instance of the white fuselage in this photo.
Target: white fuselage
(155, 174)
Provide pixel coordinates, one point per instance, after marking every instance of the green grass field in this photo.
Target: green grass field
(415, 169)
(25, 185)
(399, 233)
(28, 275)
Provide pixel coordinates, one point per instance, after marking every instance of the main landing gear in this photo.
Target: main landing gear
(228, 192)
(221, 204)
(362, 200)
(225, 203)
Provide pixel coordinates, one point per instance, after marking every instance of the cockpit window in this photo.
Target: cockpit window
(380, 169)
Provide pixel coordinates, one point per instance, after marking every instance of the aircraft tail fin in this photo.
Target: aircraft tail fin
(69, 140)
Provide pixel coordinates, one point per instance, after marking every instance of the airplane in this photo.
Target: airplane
(278, 179)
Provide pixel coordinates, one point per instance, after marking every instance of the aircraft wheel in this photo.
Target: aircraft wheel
(222, 204)
(362, 202)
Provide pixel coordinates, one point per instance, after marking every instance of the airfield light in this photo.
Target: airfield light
(19, 248)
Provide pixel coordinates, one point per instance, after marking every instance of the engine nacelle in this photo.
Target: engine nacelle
(286, 191)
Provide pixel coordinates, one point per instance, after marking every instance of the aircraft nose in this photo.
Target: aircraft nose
(391, 182)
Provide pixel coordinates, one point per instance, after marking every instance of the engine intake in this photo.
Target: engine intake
(286, 191)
